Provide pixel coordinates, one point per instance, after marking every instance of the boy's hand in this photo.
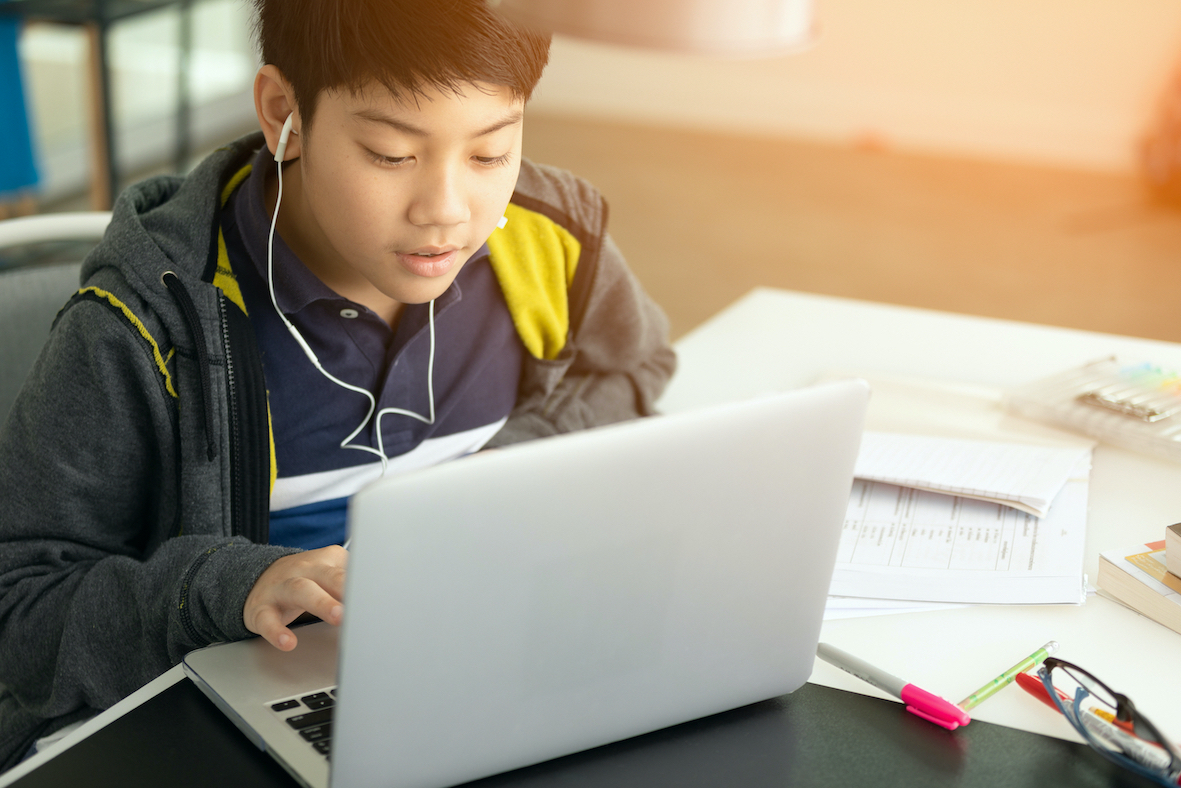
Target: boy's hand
(312, 581)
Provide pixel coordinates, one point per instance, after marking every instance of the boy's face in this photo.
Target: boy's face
(392, 196)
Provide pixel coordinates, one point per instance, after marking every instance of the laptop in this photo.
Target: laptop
(514, 606)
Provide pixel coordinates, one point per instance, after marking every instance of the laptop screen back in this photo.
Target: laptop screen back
(518, 605)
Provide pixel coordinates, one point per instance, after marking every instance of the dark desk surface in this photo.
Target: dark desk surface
(815, 737)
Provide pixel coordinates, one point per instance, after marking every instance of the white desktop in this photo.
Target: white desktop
(772, 340)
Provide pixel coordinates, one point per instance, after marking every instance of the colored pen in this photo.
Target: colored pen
(1103, 714)
(1033, 685)
(1006, 678)
(918, 701)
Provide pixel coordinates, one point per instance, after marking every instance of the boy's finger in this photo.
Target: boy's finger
(269, 625)
(330, 578)
(302, 593)
(329, 569)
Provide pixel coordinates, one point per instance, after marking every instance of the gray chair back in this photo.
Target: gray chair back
(32, 293)
(29, 300)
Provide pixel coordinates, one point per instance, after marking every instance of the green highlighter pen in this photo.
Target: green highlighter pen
(1006, 678)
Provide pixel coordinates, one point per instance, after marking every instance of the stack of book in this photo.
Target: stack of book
(1147, 578)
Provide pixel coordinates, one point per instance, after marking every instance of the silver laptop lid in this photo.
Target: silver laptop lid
(519, 605)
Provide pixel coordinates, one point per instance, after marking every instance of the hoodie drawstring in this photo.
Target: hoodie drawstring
(189, 310)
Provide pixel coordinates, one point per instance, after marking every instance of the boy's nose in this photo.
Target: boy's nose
(441, 200)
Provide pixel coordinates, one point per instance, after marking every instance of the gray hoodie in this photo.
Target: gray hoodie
(135, 464)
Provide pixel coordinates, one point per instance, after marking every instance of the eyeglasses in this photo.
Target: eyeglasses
(1110, 723)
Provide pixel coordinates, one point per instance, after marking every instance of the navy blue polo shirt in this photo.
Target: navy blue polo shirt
(477, 365)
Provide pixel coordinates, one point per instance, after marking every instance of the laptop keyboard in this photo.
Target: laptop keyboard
(310, 716)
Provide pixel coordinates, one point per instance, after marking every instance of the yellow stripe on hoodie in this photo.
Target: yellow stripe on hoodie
(534, 259)
(161, 364)
(224, 277)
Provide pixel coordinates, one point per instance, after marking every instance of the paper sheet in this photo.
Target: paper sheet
(906, 544)
(1023, 476)
(839, 607)
(1054, 544)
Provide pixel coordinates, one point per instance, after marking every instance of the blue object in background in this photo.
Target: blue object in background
(18, 165)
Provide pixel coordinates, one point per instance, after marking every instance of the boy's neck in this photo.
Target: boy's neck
(298, 231)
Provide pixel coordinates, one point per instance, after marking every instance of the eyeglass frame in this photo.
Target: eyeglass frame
(1125, 712)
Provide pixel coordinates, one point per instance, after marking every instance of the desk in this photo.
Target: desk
(829, 732)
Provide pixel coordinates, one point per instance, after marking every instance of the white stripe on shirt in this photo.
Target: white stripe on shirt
(329, 485)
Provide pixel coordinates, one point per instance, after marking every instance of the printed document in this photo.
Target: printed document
(908, 544)
(911, 550)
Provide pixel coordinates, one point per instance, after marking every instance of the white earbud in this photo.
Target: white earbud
(503, 221)
(281, 148)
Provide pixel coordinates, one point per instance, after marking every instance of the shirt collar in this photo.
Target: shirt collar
(295, 285)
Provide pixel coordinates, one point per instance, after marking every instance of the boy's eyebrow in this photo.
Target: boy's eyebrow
(377, 116)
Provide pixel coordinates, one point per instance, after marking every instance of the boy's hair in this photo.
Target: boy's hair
(405, 45)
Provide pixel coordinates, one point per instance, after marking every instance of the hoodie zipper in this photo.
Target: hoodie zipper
(249, 426)
(245, 519)
(237, 488)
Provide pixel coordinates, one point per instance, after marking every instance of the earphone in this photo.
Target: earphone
(280, 150)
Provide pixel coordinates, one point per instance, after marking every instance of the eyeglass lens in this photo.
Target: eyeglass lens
(1097, 689)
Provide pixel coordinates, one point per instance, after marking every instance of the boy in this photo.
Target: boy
(255, 342)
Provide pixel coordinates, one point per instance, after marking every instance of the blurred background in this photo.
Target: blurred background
(992, 157)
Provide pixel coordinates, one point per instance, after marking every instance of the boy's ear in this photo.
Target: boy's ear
(274, 100)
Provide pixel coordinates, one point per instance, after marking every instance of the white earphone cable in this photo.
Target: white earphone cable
(346, 443)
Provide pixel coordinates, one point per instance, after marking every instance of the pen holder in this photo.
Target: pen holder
(1134, 405)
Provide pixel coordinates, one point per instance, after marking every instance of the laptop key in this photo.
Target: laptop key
(301, 721)
(318, 733)
(285, 705)
(320, 700)
(323, 746)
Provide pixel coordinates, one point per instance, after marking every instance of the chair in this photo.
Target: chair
(31, 296)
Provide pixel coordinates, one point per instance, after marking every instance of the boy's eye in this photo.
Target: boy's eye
(394, 161)
(387, 161)
(492, 161)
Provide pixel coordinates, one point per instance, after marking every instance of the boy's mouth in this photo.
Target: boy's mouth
(429, 261)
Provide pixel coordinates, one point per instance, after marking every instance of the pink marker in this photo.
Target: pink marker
(919, 702)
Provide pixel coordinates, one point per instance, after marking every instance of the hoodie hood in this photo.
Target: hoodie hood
(169, 223)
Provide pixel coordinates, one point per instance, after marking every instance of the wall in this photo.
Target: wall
(1070, 82)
